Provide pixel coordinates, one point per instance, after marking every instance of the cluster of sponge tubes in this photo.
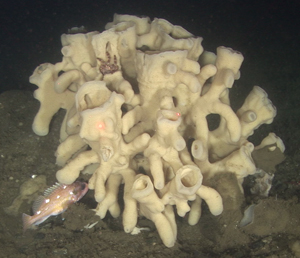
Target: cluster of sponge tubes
(129, 118)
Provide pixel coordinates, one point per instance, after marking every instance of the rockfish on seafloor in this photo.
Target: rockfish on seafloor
(56, 200)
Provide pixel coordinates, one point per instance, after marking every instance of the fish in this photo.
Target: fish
(56, 200)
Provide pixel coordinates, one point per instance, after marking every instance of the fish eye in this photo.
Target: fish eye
(82, 186)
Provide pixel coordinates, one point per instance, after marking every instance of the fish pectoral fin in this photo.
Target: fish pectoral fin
(38, 203)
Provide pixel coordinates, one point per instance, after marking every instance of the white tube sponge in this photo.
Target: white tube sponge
(195, 212)
(130, 213)
(182, 188)
(164, 145)
(131, 118)
(102, 121)
(227, 58)
(256, 110)
(212, 198)
(142, 24)
(77, 48)
(165, 71)
(44, 76)
(106, 42)
(158, 75)
(127, 32)
(152, 208)
(165, 36)
(206, 72)
(271, 139)
(70, 79)
(110, 201)
(214, 100)
(239, 162)
(165, 102)
(68, 148)
(92, 94)
(116, 82)
(143, 192)
(69, 173)
(228, 63)
(198, 150)
(210, 103)
(167, 127)
(115, 156)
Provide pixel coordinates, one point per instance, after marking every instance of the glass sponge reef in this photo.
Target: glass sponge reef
(137, 97)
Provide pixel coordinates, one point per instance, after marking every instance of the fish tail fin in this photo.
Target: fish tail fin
(26, 221)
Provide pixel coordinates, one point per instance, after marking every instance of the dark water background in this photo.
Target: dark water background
(30, 30)
(267, 33)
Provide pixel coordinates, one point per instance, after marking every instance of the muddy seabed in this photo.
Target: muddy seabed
(273, 233)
